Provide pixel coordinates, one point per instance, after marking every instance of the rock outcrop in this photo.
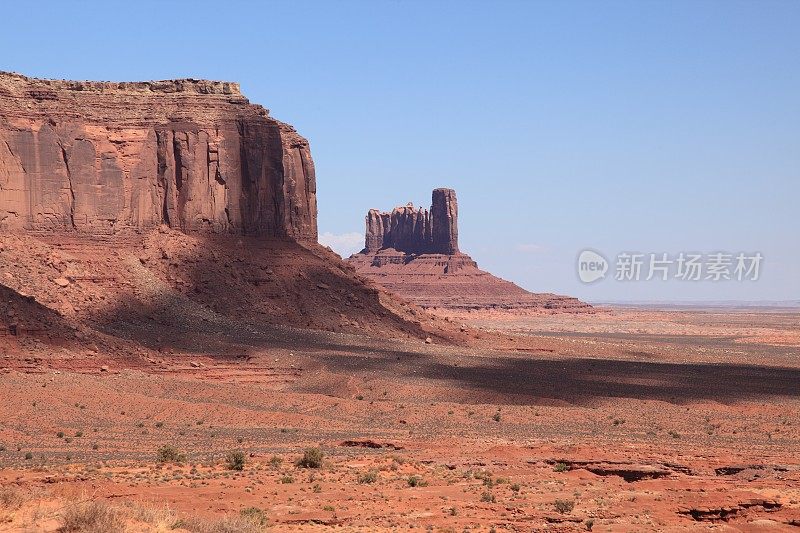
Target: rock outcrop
(100, 157)
(414, 253)
(416, 231)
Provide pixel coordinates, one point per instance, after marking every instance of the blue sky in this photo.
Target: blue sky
(617, 126)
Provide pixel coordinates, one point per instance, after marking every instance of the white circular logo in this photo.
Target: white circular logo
(591, 266)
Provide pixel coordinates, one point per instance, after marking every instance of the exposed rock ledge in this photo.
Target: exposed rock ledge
(101, 157)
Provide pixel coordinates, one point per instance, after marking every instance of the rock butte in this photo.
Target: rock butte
(414, 253)
(110, 189)
(196, 155)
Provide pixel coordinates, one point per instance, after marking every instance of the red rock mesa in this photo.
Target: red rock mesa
(414, 253)
(132, 203)
(102, 157)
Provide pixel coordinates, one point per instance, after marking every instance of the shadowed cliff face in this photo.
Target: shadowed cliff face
(195, 155)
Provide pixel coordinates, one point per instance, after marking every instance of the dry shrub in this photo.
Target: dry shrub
(92, 517)
(12, 498)
(161, 518)
(229, 524)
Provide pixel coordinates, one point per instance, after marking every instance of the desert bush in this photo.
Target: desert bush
(275, 461)
(368, 477)
(11, 498)
(161, 517)
(229, 524)
(91, 517)
(170, 454)
(564, 506)
(255, 515)
(235, 460)
(416, 481)
(561, 467)
(487, 497)
(312, 458)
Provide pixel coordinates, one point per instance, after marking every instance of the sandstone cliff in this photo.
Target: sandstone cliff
(100, 157)
(416, 231)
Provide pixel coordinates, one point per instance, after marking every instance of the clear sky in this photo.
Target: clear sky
(618, 126)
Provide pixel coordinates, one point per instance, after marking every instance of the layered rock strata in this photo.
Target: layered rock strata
(414, 253)
(101, 157)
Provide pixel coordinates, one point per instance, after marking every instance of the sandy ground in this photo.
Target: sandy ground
(624, 420)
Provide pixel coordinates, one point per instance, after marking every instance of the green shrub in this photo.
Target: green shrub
(312, 458)
(416, 481)
(170, 454)
(368, 477)
(564, 506)
(561, 467)
(235, 460)
(254, 514)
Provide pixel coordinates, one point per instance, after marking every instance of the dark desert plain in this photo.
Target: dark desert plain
(621, 419)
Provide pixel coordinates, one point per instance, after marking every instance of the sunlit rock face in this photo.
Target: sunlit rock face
(196, 155)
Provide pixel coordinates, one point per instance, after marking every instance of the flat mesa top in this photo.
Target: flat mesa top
(11, 81)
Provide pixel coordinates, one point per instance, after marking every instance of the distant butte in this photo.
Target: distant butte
(414, 252)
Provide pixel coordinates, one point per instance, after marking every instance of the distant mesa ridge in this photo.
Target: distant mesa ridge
(414, 252)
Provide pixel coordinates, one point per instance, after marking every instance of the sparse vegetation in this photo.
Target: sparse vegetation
(287, 480)
(235, 460)
(564, 506)
(255, 515)
(91, 517)
(488, 497)
(368, 477)
(11, 497)
(416, 481)
(170, 454)
(561, 467)
(312, 458)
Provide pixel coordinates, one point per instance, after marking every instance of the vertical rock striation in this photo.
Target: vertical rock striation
(100, 157)
(416, 231)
